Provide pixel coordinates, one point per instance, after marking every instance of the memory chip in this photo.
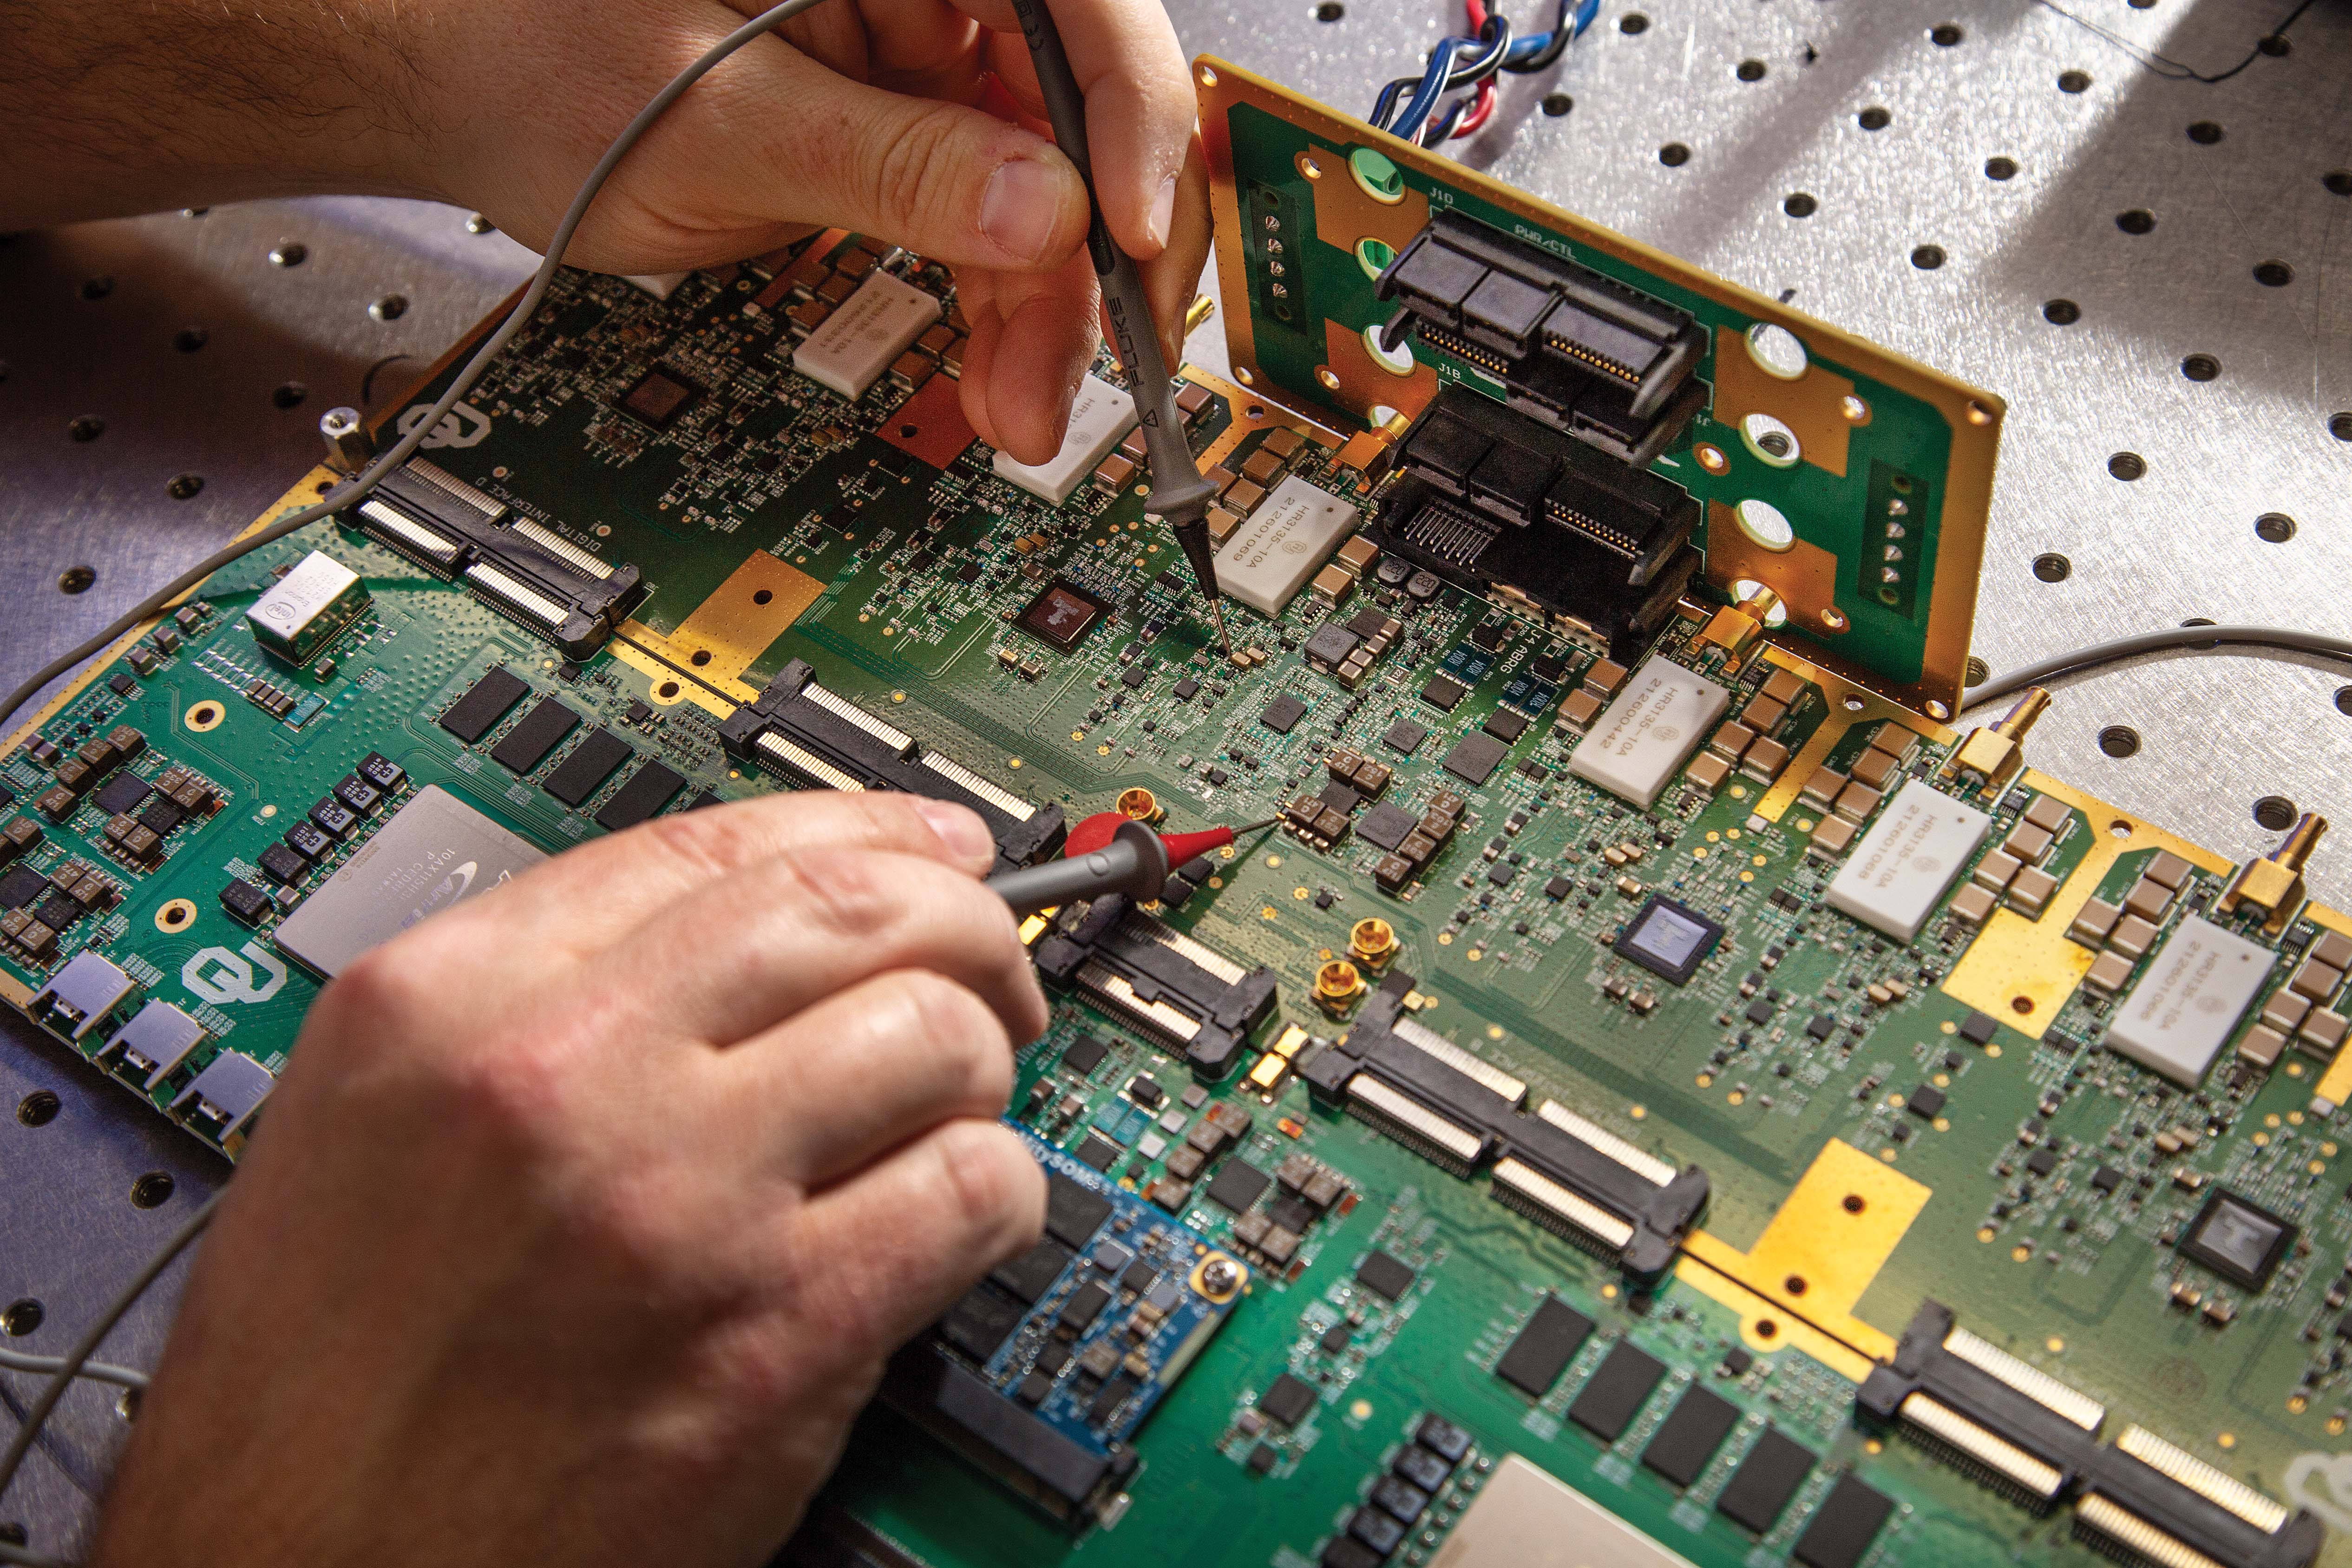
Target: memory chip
(472, 716)
(980, 1320)
(1028, 1277)
(1073, 1212)
(1765, 1481)
(599, 754)
(435, 852)
(538, 732)
(1689, 1436)
(1555, 1331)
(1615, 1391)
(1267, 560)
(1843, 1526)
(1062, 615)
(648, 789)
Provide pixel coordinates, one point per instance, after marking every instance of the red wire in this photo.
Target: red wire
(1482, 106)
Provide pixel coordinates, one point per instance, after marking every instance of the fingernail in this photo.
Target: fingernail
(1163, 210)
(1018, 214)
(958, 828)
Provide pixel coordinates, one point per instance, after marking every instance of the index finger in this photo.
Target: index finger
(1138, 96)
(586, 896)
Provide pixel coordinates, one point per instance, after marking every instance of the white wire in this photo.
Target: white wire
(96, 1371)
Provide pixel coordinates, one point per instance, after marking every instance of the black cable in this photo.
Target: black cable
(2106, 653)
(2164, 65)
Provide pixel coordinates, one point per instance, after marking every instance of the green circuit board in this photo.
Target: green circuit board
(1999, 1162)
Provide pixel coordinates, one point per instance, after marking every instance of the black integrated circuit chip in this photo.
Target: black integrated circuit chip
(1506, 724)
(1062, 615)
(1286, 1400)
(1085, 1054)
(1097, 1151)
(2238, 1240)
(1555, 1331)
(659, 397)
(1387, 826)
(595, 759)
(1616, 1391)
(1282, 715)
(1073, 1212)
(535, 734)
(1238, 1185)
(1843, 1526)
(1442, 693)
(1925, 1101)
(1405, 736)
(1767, 1478)
(1387, 1276)
(471, 716)
(120, 794)
(1475, 757)
(980, 1320)
(1689, 1436)
(650, 788)
(1031, 1275)
(1668, 939)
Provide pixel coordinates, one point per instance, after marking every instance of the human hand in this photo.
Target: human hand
(584, 1216)
(868, 114)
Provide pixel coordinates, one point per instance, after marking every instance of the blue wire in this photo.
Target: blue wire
(1436, 79)
(1416, 109)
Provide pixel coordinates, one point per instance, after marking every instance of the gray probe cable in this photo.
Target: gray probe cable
(1179, 496)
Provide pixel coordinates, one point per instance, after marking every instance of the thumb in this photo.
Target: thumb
(948, 182)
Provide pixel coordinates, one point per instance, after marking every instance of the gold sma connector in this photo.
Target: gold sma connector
(2274, 884)
(1374, 942)
(1737, 628)
(1991, 756)
(1139, 804)
(1337, 985)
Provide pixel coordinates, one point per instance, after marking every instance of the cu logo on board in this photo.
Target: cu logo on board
(463, 426)
(222, 978)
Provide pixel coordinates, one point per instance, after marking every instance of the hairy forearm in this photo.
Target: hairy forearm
(126, 106)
